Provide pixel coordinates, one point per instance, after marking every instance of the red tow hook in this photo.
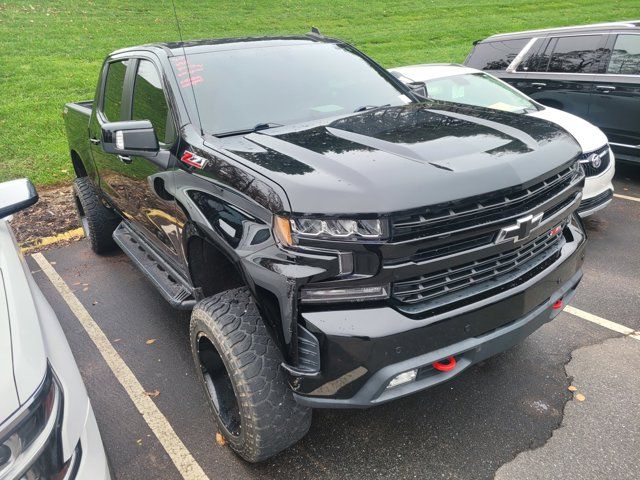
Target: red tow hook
(445, 367)
(559, 305)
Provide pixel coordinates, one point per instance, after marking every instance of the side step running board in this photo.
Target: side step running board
(173, 287)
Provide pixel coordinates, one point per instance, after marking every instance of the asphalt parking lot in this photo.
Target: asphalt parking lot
(502, 415)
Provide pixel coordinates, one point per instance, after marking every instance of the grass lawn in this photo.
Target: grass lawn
(51, 52)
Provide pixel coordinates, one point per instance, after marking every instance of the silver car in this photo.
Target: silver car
(47, 425)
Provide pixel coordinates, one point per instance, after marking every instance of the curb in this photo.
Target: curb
(74, 234)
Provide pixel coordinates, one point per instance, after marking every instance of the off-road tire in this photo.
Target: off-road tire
(270, 419)
(97, 221)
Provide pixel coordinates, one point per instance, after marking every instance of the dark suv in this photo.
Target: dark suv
(592, 71)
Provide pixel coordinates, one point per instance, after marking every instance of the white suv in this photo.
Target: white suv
(47, 425)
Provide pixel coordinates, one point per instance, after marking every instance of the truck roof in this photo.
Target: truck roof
(220, 44)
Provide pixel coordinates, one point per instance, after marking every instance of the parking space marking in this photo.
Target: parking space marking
(160, 426)
(627, 197)
(603, 322)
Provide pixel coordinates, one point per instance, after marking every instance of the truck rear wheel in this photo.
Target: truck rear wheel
(239, 366)
(97, 221)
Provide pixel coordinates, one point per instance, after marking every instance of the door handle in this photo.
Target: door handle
(125, 159)
(539, 84)
(605, 87)
(95, 141)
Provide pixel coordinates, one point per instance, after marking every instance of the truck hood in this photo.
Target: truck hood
(398, 158)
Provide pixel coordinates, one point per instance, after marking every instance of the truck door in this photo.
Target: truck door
(110, 107)
(149, 207)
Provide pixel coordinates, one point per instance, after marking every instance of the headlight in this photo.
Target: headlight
(29, 443)
(289, 231)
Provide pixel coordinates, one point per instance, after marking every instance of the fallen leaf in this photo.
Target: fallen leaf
(85, 289)
(580, 397)
(572, 388)
(150, 341)
(220, 439)
(152, 394)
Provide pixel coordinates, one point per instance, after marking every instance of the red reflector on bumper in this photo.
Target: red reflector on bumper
(558, 305)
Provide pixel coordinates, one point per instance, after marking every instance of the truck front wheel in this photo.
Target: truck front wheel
(239, 366)
(97, 221)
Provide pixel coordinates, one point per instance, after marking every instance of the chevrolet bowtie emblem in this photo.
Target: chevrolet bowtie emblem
(519, 231)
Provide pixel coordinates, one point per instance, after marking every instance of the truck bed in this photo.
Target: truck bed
(76, 119)
(83, 107)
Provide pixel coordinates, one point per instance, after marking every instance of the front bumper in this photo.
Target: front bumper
(362, 350)
(592, 205)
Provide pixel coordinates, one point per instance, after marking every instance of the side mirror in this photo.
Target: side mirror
(419, 89)
(134, 137)
(16, 195)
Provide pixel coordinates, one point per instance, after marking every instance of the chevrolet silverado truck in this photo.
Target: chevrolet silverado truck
(341, 240)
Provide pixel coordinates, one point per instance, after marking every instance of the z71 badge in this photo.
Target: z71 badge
(193, 160)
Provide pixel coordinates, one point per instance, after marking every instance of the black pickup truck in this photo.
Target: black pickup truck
(341, 239)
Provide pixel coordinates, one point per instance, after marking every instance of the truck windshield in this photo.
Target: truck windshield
(481, 90)
(237, 90)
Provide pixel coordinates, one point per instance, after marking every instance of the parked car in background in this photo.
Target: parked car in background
(47, 426)
(460, 84)
(592, 71)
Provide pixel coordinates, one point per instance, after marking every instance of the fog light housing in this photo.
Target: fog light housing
(354, 294)
(402, 378)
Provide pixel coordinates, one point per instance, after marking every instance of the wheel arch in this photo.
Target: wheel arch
(205, 256)
(78, 165)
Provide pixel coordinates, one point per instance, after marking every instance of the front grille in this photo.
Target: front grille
(470, 213)
(438, 287)
(588, 166)
(593, 202)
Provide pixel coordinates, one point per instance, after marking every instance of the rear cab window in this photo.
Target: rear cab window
(495, 54)
(625, 57)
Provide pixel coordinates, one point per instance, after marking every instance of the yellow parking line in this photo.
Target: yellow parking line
(160, 426)
(627, 197)
(46, 241)
(603, 322)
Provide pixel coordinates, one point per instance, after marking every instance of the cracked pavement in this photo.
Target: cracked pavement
(600, 436)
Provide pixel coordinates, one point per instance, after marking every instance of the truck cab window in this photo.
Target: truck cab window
(112, 97)
(625, 58)
(149, 102)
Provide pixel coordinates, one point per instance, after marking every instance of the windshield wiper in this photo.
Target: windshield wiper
(256, 128)
(370, 107)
